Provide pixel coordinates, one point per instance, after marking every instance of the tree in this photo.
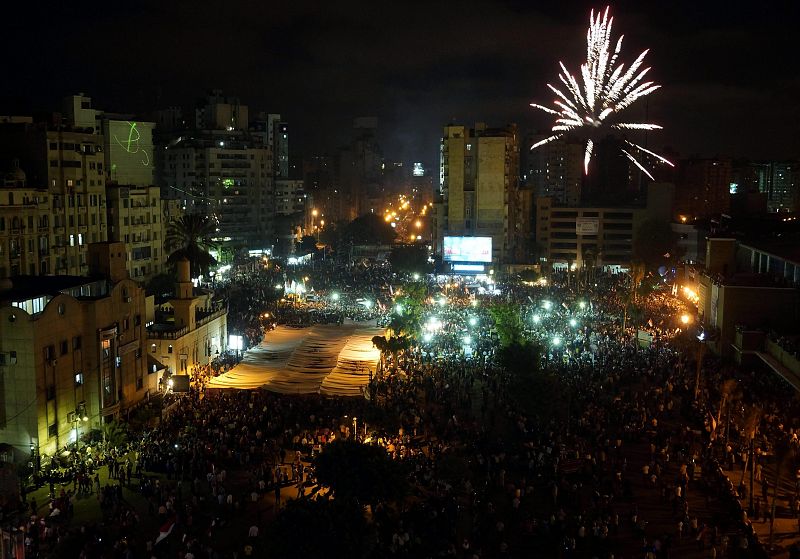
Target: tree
(161, 284)
(369, 229)
(409, 259)
(363, 473)
(189, 237)
(308, 245)
(655, 243)
(115, 434)
(409, 307)
(507, 323)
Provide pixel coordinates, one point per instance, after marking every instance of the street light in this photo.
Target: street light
(573, 322)
(473, 321)
(685, 319)
(537, 319)
(556, 341)
(334, 296)
(547, 305)
(582, 305)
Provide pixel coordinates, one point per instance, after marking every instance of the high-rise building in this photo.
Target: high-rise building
(479, 175)
(65, 164)
(780, 182)
(703, 187)
(554, 169)
(136, 218)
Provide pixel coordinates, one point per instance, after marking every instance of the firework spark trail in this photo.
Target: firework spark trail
(603, 89)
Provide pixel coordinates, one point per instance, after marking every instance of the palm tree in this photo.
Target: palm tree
(189, 237)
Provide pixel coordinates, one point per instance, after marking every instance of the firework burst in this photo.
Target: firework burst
(592, 104)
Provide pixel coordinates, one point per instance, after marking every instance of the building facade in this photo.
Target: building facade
(554, 169)
(71, 353)
(189, 330)
(65, 165)
(136, 218)
(479, 179)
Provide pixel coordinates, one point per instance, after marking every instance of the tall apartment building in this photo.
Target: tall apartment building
(136, 218)
(479, 175)
(65, 165)
(224, 170)
(703, 187)
(554, 170)
(72, 353)
(223, 174)
(781, 183)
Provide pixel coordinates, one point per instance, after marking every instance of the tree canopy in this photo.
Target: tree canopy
(308, 245)
(361, 472)
(655, 243)
(406, 317)
(369, 229)
(409, 259)
(189, 237)
(507, 323)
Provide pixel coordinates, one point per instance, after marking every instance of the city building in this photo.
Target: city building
(223, 174)
(136, 217)
(554, 169)
(71, 353)
(744, 287)
(781, 183)
(223, 169)
(478, 187)
(187, 331)
(703, 187)
(65, 164)
(596, 236)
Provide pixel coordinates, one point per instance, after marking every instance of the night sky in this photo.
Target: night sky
(730, 75)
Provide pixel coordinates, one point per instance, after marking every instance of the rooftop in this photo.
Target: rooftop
(20, 288)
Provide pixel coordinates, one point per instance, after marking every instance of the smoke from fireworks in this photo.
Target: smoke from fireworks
(606, 88)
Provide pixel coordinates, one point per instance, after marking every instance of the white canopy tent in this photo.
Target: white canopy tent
(327, 359)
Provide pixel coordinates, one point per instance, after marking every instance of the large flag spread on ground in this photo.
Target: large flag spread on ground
(166, 529)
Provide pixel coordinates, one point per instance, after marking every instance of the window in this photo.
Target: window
(51, 392)
(76, 343)
(71, 239)
(153, 348)
(169, 349)
(125, 324)
(64, 347)
(78, 379)
(52, 430)
(137, 320)
(139, 383)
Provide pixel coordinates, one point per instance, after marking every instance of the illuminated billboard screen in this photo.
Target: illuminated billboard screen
(468, 249)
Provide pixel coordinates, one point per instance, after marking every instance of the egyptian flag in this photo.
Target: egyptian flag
(166, 530)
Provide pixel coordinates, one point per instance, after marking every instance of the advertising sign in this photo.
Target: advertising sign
(467, 249)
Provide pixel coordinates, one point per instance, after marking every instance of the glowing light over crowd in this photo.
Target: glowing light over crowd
(591, 104)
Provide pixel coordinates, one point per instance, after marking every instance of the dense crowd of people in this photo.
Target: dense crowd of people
(624, 462)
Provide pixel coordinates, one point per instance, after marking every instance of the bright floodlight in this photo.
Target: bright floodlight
(537, 319)
(467, 340)
(367, 303)
(582, 304)
(334, 296)
(473, 321)
(547, 305)
(556, 341)
(443, 301)
(474, 302)
(278, 287)
(685, 318)
(573, 322)
(427, 336)
(398, 308)
(415, 276)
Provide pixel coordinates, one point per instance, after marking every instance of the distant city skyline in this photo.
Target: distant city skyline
(729, 84)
